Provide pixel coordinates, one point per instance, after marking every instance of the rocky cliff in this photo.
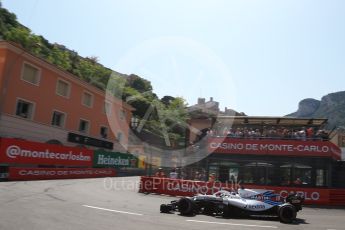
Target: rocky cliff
(331, 106)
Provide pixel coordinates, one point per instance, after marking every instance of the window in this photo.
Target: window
(302, 175)
(104, 132)
(122, 114)
(87, 99)
(228, 171)
(321, 177)
(119, 136)
(296, 174)
(107, 108)
(24, 109)
(62, 88)
(248, 175)
(285, 173)
(31, 74)
(212, 173)
(84, 126)
(58, 119)
(257, 173)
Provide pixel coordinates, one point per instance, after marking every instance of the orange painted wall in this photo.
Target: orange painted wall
(46, 100)
(2, 67)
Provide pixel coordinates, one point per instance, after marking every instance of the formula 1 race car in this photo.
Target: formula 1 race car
(244, 202)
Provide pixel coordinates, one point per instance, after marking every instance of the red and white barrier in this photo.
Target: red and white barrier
(177, 187)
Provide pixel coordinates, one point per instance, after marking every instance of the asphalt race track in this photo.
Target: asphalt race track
(114, 203)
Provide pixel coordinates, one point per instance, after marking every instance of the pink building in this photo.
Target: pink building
(41, 102)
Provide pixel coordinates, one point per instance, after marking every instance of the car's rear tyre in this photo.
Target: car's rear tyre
(186, 207)
(287, 213)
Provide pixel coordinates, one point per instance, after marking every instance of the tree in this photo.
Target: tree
(60, 58)
(19, 35)
(166, 100)
(7, 21)
(138, 83)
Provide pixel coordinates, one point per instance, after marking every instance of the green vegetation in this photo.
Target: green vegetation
(163, 118)
(87, 69)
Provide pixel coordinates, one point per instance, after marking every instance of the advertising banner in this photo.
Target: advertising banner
(177, 187)
(114, 159)
(16, 173)
(28, 152)
(274, 147)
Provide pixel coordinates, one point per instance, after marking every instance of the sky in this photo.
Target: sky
(260, 57)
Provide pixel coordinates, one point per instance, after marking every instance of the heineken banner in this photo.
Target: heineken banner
(114, 159)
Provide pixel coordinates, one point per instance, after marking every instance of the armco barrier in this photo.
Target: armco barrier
(177, 187)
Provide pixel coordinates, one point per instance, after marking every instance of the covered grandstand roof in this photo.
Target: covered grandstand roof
(282, 121)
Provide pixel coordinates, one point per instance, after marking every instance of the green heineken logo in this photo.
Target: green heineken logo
(114, 159)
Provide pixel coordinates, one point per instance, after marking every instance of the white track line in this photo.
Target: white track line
(111, 210)
(233, 224)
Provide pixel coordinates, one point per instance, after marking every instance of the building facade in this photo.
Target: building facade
(41, 102)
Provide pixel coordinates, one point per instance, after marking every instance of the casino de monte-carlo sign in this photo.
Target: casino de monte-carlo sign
(273, 147)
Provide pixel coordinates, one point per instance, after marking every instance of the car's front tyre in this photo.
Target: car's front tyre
(165, 208)
(186, 206)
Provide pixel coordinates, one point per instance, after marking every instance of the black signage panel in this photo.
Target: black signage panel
(85, 140)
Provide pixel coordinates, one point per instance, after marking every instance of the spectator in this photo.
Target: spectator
(181, 173)
(286, 133)
(197, 176)
(173, 174)
(272, 132)
(302, 134)
(257, 133)
(160, 173)
(298, 181)
(230, 133)
(212, 177)
(264, 132)
(280, 132)
(310, 132)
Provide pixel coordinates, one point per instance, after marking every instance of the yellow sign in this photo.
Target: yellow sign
(156, 162)
(142, 162)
